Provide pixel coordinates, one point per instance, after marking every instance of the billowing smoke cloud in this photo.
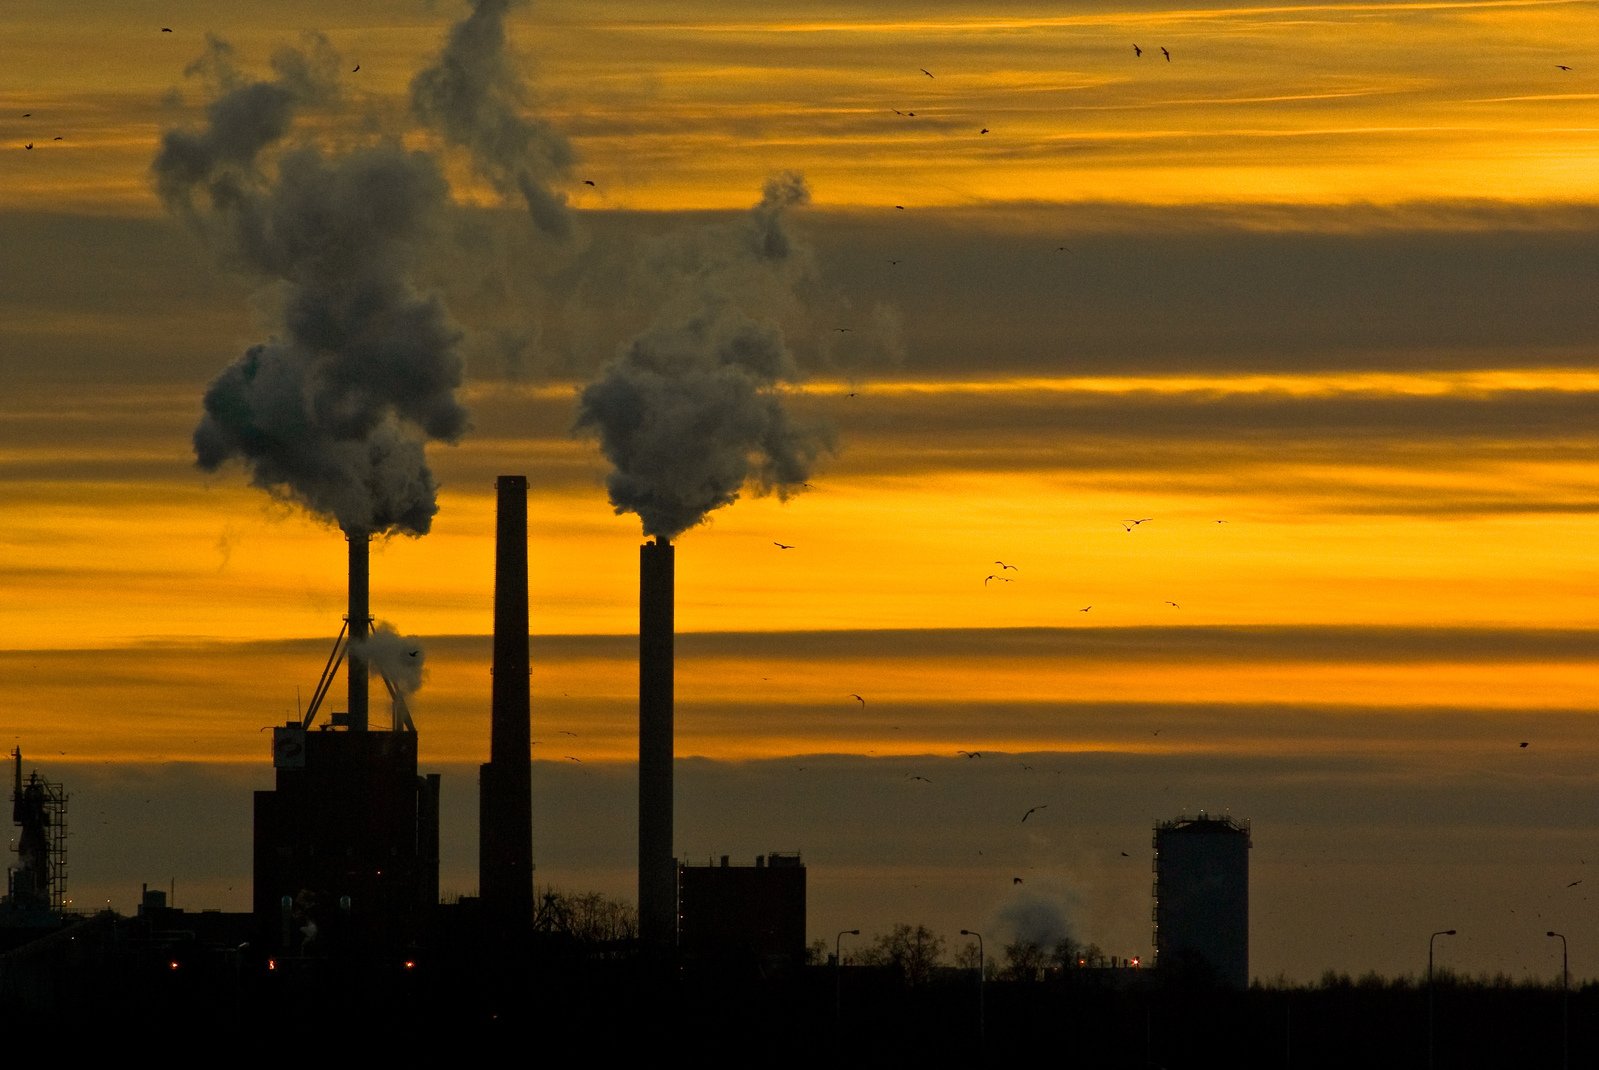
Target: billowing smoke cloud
(334, 409)
(400, 658)
(476, 98)
(1035, 919)
(692, 411)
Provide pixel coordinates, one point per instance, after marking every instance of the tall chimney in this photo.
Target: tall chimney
(360, 615)
(657, 869)
(505, 783)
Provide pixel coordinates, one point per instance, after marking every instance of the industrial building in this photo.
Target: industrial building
(744, 919)
(1202, 900)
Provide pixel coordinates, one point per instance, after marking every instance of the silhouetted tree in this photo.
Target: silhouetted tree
(912, 951)
(1025, 961)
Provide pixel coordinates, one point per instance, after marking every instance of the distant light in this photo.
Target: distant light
(1135, 960)
(272, 964)
(410, 964)
(172, 965)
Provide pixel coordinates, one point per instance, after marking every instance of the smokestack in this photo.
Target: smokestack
(657, 869)
(360, 616)
(505, 783)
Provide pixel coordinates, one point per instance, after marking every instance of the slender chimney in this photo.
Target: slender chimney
(505, 784)
(360, 615)
(657, 869)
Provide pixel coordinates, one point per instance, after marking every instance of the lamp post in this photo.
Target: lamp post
(1430, 939)
(981, 971)
(838, 976)
(1565, 1003)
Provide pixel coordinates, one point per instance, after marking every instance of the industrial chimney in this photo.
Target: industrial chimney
(657, 868)
(360, 618)
(505, 814)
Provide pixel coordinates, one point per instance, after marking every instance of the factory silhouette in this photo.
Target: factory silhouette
(346, 904)
(347, 931)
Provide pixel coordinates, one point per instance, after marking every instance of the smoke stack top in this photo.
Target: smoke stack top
(692, 412)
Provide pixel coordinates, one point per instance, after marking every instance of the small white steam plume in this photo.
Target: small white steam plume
(476, 98)
(400, 658)
(334, 409)
(692, 410)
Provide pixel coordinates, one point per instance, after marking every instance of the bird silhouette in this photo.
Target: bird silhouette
(1166, 54)
(1524, 743)
(1131, 524)
(1085, 609)
(1174, 605)
(993, 577)
(912, 776)
(1137, 51)
(1562, 66)
(984, 130)
(29, 145)
(1002, 564)
(1015, 880)
(166, 29)
(588, 182)
(971, 753)
(925, 71)
(1034, 809)
(355, 68)
(857, 698)
(782, 545)
(1574, 883)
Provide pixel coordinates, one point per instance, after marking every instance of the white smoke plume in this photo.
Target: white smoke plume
(332, 411)
(692, 411)
(400, 658)
(475, 97)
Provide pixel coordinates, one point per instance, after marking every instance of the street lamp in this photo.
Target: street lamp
(981, 970)
(838, 976)
(1430, 939)
(1565, 1003)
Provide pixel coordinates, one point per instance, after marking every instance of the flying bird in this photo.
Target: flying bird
(901, 207)
(1015, 880)
(572, 759)
(1574, 883)
(857, 698)
(1562, 66)
(1031, 811)
(782, 545)
(1165, 53)
(355, 68)
(984, 130)
(971, 753)
(1002, 579)
(912, 776)
(1085, 609)
(588, 182)
(1131, 524)
(166, 29)
(1002, 564)
(29, 145)
(1137, 51)
(925, 71)
(1174, 605)
(1524, 743)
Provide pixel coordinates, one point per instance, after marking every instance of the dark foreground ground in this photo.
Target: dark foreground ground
(108, 979)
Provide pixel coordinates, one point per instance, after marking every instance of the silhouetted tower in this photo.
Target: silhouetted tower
(360, 621)
(39, 810)
(1202, 900)
(505, 815)
(657, 868)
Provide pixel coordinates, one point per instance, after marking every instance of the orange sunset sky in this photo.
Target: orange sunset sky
(1313, 298)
